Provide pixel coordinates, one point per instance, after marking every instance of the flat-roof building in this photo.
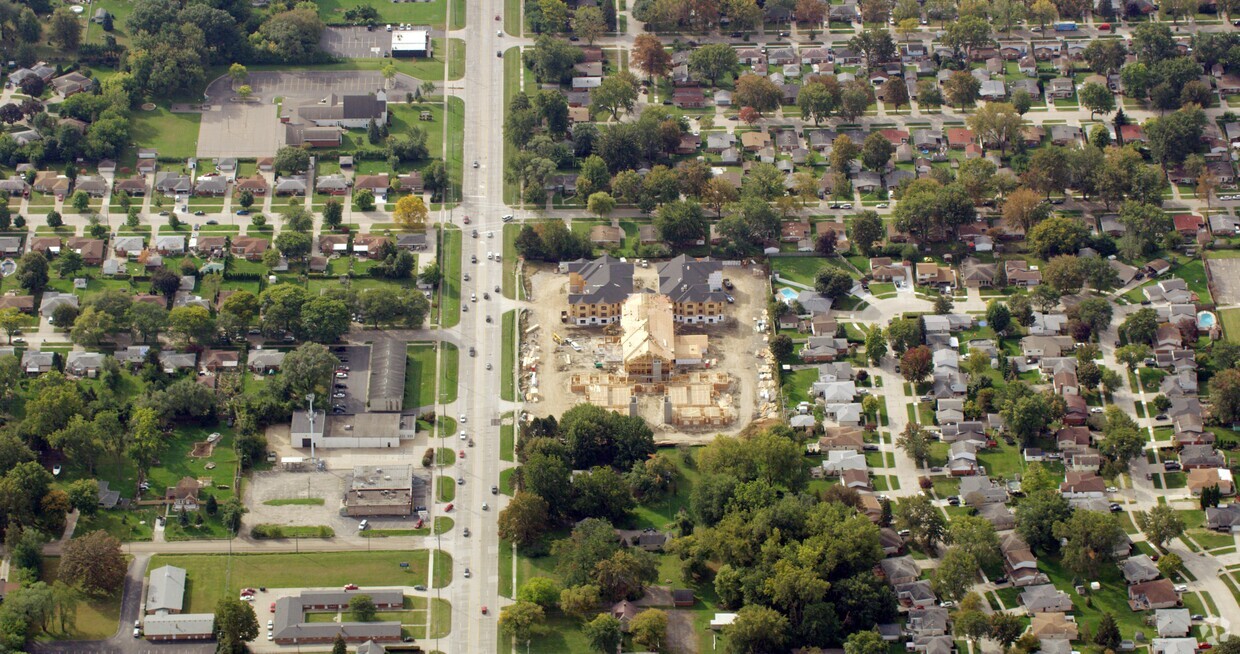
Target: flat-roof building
(412, 42)
(387, 490)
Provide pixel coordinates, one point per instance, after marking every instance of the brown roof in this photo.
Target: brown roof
(372, 182)
(19, 302)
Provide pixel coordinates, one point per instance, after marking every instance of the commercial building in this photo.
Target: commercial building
(289, 625)
(360, 430)
(412, 41)
(165, 590)
(185, 626)
(389, 490)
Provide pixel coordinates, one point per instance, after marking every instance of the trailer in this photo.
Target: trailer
(1065, 26)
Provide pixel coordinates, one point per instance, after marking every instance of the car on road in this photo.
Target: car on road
(420, 588)
(200, 213)
(243, 212)
(1171, 465)
(350, 586)
(465, 533)
(953, 500)
(881, 205)
(484, 610)
(1115, 508)
(363, 525)
(1112, 489)
(468, 574)
(495, 490)
(460, 481)
(137, 632)
(499, 53)
(272, 608)
(507, 218)
(464, 419)
(472, 351)
(1198, 617)
(473, 258)
(475, 163)
(464, 435)
(1181, 588)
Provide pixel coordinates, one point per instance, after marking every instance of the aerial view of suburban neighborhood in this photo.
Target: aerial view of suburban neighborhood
(619, 326)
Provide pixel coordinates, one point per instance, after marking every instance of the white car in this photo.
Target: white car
(1112, 489)
(1181, 588)
(464, 436)
(464, 419)
(881, 205)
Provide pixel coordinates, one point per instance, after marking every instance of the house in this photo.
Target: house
(927, 622)
(370, 245)
(334, 244)
(1157, 594)
(220, 360)
(52, 300)
(606, 235)
(980, 490)
(23, 303)
(1036, 347)
(650, 540)
(1063, 135)
(1201, 456)
(754, 141)
(178, 626)
(36, 362)
(821, 349)
(1060, 88)
(998, 515)
(1125, 272)
(1053, 624)
(695, 287)
(170, 244)
(170, 183)
(1137, 569)
(211, 186)
(1045, 598)
(689, 97)
(1224, 518)
(183, 496)
(1157, 267)
(1172, 623)
(1019, 273)
(959, 137)
(975, 274)
(1082, 485)
(891, 542)
(840, 461)
(841, 439)
(1200, 479)
(265, 361)
(248, 247)
(900, 570)
(1174, 646)
(83, 364)
(295, 185)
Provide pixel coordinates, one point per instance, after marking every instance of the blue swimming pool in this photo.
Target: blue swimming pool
(1205, 320)
(787, 294)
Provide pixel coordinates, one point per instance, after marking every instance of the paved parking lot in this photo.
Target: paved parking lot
(356, 42)
(354, 388)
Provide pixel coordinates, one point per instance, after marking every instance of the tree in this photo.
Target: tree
(1097, 98)
(410, 213)
(916, 443)
(333, 211)
(1225, 395)
(1042, 12)
(681, 222)
(601, 204)
(876, 152)
(521, 620)
(855, 98)
(524, 520)
(364, 200)
(781, 347)
(867, 229)
(604, 633)
(1169, 564)
(649, 629)
(757, 92)
(617, 92)
(231, 513)
(998, 317)
(94, 563)
(875, 346)
(235, 625)
(976, 536)
(32, 272)
(997, 122)
(817, 101)
(1005, 628)
(291, 160)
(1133, 354)
(895, 92)
(588, 23)
(922, 519)
(64, 29)
(542, 591)
(1160, 524)
(11, 321)
(1107, 636)
(1036, 516)
(962, 89)
(650, 57)
(713, 61)
(1089, 541)
(339, 646)
(1057, 235)
(1141, 326)
(760, 629)
(916, 364)
(833, 283)
(955, 574)
(363, 608)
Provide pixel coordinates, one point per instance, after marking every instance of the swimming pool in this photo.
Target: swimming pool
(1205, 320)
(787, 295)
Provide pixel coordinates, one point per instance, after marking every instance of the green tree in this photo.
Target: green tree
(1036, 516)
(363, 608)
(713, 61)
(916, 443)
(1089, 541)
(1097, 98)
(865, 642)
(875, 346)
(604, 633)
(235, 625)
(1161, 524)
(522, 620)
(955, 573)
(922, 519)
(1107, 634)
(962, 89)
(761, 629)
(649, 629)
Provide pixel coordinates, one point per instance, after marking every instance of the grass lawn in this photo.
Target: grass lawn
(97, 618)
(510, 286)
(1113, 597)
(445, 488)
(443, 524)
(1210, 539)
(507, 437)
(420, 375)
(796, 385)
(126, 526)
(1002, 461)
(210, 577)
(1231, 324)
(507, 360)
(450, 360)
(174, 135)
(450, 264)
(296, 501)
(661, 513)
(432, 13)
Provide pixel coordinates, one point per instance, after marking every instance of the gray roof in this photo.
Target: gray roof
(53, 300)
(266, 358)
(1139, 568)
(183, 625)
(387, 375)
(348, 107)
(289, 620)
(133, 354)
(177, 359)
(79, 360)
(166, 589)
(688, 280)
(605, 280)
(1172, 622)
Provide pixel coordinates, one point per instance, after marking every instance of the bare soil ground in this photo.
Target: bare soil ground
(734, 346)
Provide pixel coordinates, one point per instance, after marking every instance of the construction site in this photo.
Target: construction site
(679, 343)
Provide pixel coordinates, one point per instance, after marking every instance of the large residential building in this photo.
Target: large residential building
(695, 287)
(290, 626)
(597, 289)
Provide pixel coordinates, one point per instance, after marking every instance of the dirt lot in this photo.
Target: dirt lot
(734, 345)
(1226, 277)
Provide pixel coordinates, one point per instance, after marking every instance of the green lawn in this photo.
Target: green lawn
(507, 361)
(796, 385)
(510, 260)
(1211, 539)
(297, 501)
(450, 265)
(661, 513)
(507, 438)
(1113, 597)
(1231, 324)
(420, 376)
(432, 13)
(449, 371)
(445, 489)
(798, 269)
(210, 577)
(173, 135)
(97, 618)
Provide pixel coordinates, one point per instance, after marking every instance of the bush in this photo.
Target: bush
(266, 531)
(428, 458)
